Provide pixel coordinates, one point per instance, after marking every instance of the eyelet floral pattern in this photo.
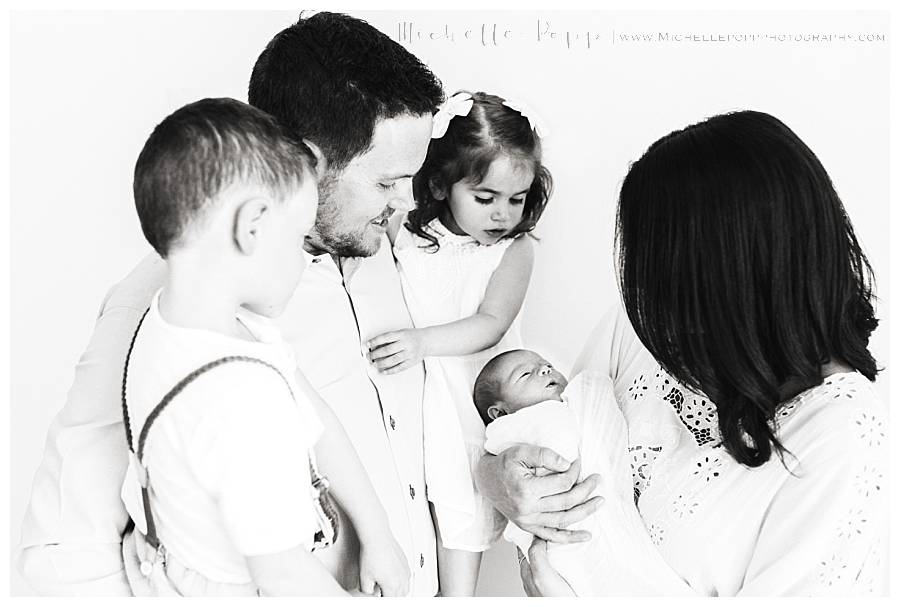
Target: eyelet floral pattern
(852, 524)
(642, 459)
(684, 506)
(696, 412)
(869, 429)
(708, 467)
(638, 388)
(868, 481)
(832, 571)
(657, 534)
(691, 489)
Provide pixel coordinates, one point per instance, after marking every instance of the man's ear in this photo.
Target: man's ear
(495, 411)
(437, 190)
(321, 163)
(249, 220)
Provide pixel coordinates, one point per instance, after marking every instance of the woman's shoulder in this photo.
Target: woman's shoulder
(843, 416)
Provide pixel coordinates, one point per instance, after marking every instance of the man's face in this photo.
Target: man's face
(356, 202)
(527, 379)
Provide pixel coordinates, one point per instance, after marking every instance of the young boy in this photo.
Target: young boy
(226, 197)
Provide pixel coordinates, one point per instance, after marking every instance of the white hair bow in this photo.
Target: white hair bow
(458, 105)
(528, 113)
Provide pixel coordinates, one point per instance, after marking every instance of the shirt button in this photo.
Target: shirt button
(393, 423)
(421, 560)
(412, 492)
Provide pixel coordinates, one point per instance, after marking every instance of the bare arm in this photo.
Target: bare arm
(74, 548)
(398, 350)
(294, 572)
(382, 561)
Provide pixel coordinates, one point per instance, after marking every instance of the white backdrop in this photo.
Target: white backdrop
(88, 87)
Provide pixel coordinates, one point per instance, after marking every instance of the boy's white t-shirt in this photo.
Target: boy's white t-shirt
(228, 457)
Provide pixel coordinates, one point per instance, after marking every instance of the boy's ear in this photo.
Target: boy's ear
(249, 217)
(437, 190)
(495, 411)
(321, 163)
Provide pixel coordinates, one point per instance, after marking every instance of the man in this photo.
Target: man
(365, 103)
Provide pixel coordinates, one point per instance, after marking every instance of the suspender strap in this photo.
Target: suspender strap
(138, 456)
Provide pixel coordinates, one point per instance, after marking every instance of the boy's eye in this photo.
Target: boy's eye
(484, 200)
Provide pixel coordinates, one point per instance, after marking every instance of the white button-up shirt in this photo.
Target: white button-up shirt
(73, 525)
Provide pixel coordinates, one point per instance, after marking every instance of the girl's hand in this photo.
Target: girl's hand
(383, 570)
(396, 351)
(539, 578)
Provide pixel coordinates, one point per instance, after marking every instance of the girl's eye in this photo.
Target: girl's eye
(484, 200)
(387, 186)
(516, 200)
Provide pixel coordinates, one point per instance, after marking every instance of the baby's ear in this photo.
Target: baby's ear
(495, 411)
(437, 190)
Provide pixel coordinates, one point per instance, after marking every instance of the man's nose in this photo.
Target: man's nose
(403, 201)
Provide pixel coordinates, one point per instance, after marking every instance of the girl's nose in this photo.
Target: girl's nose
(500, 215)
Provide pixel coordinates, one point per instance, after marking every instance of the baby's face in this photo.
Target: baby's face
(528, 379)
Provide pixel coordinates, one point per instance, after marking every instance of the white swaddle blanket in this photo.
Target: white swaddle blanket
(588, 423)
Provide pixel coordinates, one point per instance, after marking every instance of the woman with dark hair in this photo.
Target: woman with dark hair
(741, 365)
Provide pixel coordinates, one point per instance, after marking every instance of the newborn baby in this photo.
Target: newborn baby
(523, 399)
(519, 396)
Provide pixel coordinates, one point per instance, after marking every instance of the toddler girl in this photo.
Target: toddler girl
(465, 262)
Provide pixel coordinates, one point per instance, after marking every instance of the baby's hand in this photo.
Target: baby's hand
(395, 351)
(383, 570)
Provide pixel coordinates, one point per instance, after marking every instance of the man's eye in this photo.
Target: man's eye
(484, 200)
(526, 374)
(387, 186)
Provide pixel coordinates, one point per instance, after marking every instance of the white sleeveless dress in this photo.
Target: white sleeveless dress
(440, 287)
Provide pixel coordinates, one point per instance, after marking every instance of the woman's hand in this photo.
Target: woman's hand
(396, 351)
(535, 488)
(383, 570)
(539, 578)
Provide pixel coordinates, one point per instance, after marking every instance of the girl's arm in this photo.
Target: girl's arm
(398, 350)
(382, 561)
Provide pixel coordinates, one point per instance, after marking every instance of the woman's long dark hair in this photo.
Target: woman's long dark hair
(467, 150)
(740, 270)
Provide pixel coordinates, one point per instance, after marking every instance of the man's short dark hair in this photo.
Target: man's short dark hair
(203, 148)
(330, 78)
